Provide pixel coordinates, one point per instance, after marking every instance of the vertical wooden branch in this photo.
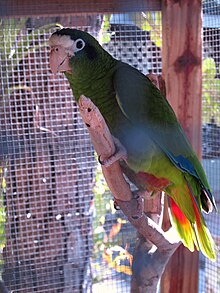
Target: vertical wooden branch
(182, 73)
(150, 263)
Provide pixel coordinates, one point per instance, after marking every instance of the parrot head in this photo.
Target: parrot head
(70, 48)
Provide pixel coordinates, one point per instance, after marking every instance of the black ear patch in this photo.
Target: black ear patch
(91, 52)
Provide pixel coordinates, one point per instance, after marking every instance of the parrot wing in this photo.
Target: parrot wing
(144, 105)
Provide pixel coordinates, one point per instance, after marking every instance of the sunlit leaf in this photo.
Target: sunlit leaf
(99, 230)
(106, 35)
(210, 90)
(3, 184)
(129, 257)
(115, 263)
(206, 97)
(107, 256)
(123, 269)
(209, 68)
(102, 219)
(115, 229)
(151, 22)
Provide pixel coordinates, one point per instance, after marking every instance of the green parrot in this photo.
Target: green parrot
(140, 117)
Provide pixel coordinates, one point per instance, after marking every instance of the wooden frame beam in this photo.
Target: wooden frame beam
(21, 8)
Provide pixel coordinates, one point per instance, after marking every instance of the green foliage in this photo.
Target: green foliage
(106, 35)
(153, 24)
(103, 205)
(9, 42)
(15, 45)
(106, 246)
(150, 21)
(208, 68)
(3, 174)
(210, 90)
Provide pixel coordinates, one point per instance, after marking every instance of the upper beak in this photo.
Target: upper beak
(59, 60)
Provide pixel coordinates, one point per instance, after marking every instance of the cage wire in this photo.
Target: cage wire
(59, 230)
(209, 271)
(47, 206)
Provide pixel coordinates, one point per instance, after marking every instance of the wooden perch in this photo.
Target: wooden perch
(150, 265)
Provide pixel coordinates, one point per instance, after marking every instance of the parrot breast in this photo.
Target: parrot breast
(152, 182)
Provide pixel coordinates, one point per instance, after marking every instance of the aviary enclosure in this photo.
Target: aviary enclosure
(59, 230)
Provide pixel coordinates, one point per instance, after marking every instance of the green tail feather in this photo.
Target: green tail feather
(206, 242)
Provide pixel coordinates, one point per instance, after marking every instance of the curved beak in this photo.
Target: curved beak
(59, 60)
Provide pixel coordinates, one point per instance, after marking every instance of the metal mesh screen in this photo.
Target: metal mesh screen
(47, 205)
(59, 229)
(209, 272)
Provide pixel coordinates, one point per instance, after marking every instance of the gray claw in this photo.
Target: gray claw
(116, 206)
(100, 161)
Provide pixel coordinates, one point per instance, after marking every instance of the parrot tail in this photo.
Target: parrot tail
(193, 232)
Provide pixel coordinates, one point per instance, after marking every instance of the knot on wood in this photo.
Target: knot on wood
(186, 61)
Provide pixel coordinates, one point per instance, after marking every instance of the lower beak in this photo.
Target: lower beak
(59, 61)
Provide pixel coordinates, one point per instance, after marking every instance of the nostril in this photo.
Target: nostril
(56, 49)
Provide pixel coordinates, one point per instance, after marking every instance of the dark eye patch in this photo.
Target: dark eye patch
(91, 52)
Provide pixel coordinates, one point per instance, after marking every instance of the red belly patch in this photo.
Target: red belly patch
(152, 182)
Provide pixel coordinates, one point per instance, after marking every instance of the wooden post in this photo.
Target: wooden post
(182, 73)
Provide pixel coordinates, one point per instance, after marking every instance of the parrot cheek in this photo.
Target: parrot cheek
(65, 65)
(59, 62)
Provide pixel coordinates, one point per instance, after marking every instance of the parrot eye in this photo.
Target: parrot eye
(79, 45)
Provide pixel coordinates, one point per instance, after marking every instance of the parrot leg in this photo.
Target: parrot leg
(148, 194)
(138, 205)
(120, 154)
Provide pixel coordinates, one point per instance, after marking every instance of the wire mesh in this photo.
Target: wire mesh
(55, 238)
(59, 230)
(209, 272)
(47, 206)
(131, 43)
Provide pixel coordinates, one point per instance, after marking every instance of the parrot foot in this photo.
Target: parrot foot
(137, 204)
(120, 154)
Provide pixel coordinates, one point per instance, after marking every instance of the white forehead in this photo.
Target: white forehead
(60, 40)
